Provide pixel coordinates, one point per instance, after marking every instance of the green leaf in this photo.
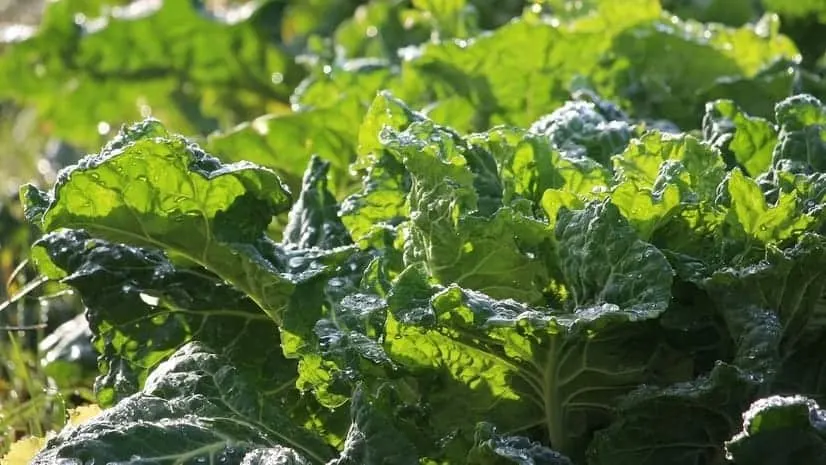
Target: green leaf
(314, 220)
(141, 309)
(644, 64)
(782, 430)
(373, 438)
(663, 180)
(771, 311)
(524, 368)
(195, 406)
(380, 205)
(759, 221)
(579, 129)
(774, 305)
(605, 266)
(382, 201)
(450, 231)
(344, 349)
(358, 79)
(757, 94)
(493, 448)
(457, 71)
(554, 200)
(645, 210)
(150, 189)
(644, 432)
(658, 161)
(749, 141)
(802, 139)
(529, 164)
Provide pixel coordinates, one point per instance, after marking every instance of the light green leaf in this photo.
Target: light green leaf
(151, 189)
(759, 221)
(524, 368)
(749, 140)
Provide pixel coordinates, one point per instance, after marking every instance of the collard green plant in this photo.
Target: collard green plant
(507, 298)
(532, 239)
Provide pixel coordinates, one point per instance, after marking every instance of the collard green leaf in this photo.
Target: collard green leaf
(503, 357)
(606, 267)
(359, 79)
(579, 129)
(647, 211)
(748, 140)
(134, 295)
(768, 310)
(801, 142)
(314, 220)
(530, 164)
(381, 203)
(494, 448)
(373, 438)
(774, 305)
(195, 406)
(462, 82)
(449, 230)
(150, 189)
(537, 80)
(344, 350)
(630, 57)
(664, 179)
(753, 217)
(757, 94)
(658, 161)
(644, 68)
(782, 430)
(645, 434)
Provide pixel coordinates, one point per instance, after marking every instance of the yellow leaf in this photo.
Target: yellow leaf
(23, 451)
(83, 413)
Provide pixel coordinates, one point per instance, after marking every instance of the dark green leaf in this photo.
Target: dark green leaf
(780, 430)
(195, 407)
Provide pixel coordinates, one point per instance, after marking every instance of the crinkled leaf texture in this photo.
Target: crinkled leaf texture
(133, 294)
(151, 189)
(195, 407)
(493, 448)
(561, 370)
(780, 429)
(552, 295)
(198, 408)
